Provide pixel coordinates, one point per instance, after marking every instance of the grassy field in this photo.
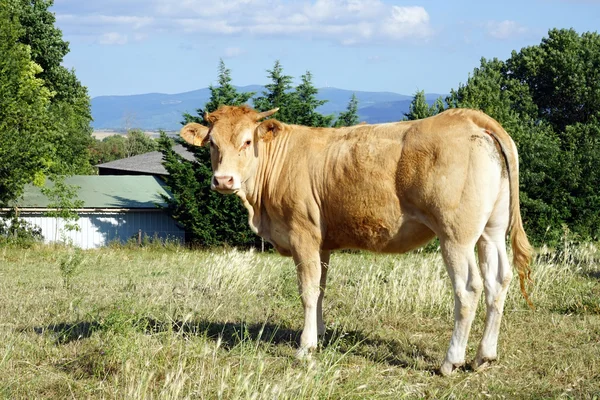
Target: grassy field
(173, 323)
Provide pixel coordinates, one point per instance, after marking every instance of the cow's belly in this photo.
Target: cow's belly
(411, 235)
(391, 235)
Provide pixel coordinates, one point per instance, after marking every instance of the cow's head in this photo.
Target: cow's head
(233, 134)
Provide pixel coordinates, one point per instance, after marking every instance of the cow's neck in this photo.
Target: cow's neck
(271, 156)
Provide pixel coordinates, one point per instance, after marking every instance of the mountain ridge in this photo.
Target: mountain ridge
(156, 111)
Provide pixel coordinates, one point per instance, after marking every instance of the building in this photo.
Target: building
(115, 208)
(143, 164)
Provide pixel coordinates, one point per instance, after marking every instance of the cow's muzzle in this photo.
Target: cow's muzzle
(223, 183)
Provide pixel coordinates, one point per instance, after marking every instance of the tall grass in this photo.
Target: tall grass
(170, 323)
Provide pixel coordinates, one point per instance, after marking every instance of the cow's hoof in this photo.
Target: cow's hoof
(482, 363)
(448, 368)
(304, 353)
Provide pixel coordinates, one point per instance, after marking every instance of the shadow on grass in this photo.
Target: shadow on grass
(231, 334)
(66, 333)
(358, 343)
(592, 274)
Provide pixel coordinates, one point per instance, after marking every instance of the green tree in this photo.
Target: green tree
(438, 106)
(223, 94)
(305, 103)
(581, 143)
(108, 149)
(70, 107)
(419, 108)
(350, 116)
(25, 149)
(115, 147)
(277, 94)
(137, 142)
(296, 105)
(563, 77)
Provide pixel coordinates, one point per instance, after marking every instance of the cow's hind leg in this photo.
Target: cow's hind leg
(466, 281)
(497, 274)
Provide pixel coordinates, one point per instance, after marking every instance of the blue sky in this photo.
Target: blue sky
(121, 47)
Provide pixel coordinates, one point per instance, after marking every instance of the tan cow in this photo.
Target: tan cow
(385, 188)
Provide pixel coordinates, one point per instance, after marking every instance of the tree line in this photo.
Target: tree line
(547, 96)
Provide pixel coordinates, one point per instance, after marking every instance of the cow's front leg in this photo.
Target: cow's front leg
(308, 267)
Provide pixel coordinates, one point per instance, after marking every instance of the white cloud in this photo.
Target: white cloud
(407, 22)
(231, 52)
(130, 21)
(113, 38)
(342, 21)
(191, 25)
(505, 29)
(139, 37)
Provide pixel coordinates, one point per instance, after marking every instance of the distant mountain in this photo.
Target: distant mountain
(154, 111)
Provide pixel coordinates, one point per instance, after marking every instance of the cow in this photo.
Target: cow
(386, 188)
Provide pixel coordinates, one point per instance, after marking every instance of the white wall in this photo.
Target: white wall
(99, 229)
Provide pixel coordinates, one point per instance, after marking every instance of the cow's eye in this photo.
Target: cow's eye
(248, 143)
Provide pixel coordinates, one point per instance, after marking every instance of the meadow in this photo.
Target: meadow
(166, 322)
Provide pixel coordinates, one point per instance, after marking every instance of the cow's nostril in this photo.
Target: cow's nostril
(223, 182)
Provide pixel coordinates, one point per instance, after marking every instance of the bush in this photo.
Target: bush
(18, 232)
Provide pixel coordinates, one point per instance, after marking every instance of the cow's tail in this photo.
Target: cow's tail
(522, 250)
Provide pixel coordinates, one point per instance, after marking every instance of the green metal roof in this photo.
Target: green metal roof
(119, 191)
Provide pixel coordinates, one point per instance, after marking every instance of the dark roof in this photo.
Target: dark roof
(123, 191)
(149, 163)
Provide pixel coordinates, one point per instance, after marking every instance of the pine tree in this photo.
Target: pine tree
(350, 116)
(223, 94)
(305, 103)
(419, 108)
(277, 94)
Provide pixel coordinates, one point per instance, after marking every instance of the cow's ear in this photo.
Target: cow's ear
(195, 134)
(269, 129)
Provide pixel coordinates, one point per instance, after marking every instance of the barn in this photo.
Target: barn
(115, 208)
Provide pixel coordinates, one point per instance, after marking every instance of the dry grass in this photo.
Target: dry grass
(172, 323)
